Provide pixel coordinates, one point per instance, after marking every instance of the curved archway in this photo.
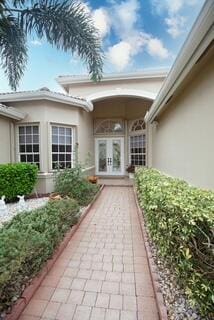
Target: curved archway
(118, 92)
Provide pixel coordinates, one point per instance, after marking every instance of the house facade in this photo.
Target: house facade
(150, 119)
(104, 130)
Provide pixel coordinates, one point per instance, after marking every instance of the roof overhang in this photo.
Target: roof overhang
(199, 39)
(11, 113)
(46, 95)
(66, 81)
(118, 92)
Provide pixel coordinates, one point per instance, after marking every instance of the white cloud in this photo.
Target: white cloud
(36, 43)
(175, 20)
(124, 17)
(156, 48)
(171, 6)
(133, 41)
(102, 21)
(175, 25)
(120, 55)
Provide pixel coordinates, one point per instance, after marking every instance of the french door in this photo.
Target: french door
(109, 155)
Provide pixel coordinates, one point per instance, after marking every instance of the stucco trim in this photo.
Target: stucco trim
(118, 92)
(46, 95)
(199, 39)
(11, 112)
(146, 74)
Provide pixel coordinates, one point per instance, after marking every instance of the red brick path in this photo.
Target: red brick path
(103, 273)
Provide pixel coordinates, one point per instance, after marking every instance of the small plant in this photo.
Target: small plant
(17, 179)
(131, 168)
(72, 183)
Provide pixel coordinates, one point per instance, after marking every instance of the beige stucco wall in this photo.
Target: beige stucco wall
(183, 139)
(85, 139)
(86, 89)
(5, 140)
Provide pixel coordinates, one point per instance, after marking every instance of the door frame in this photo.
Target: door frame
(122, 140)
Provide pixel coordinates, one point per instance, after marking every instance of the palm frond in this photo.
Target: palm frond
(13, 50)
(67, 26)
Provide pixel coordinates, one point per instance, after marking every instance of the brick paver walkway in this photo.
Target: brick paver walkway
(103, 272)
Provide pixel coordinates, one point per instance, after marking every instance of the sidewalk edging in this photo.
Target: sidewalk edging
(29, 291)
(152, 267)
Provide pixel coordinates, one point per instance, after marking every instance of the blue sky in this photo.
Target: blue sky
(136, 35)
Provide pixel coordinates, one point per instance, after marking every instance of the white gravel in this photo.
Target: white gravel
(13, 208)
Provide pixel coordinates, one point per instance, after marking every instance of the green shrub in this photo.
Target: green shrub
(72, 183)
(27, 242)
(17, 179)
(180, 219)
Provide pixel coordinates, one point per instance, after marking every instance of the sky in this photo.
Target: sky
(136, 35)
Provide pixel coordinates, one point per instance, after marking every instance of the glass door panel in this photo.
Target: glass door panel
(102, 156)
(116, 156)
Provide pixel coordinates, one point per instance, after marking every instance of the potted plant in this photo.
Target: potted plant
(131, 170)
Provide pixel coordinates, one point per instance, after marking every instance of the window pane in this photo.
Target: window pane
(61, 130)
(35, 129)
(21, 130)
(68, 139)
(68, 148)
(68, 131)
(35, 148)
(55, 148)
(54, 157)
(36, 138)
(22, 139)
(23, 158)
(28, 130)
(55, 139)
(61, 147)
(29, 144)
(22, 148)
(28, 147)
(61, 139)
(138, 150)
(55, 130)
(36, 158)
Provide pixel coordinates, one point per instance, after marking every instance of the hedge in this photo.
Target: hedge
(27, 242)
(17, 179)
(180, 220)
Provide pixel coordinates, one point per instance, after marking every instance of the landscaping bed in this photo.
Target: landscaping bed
(180, 223)
(27, 242)
(31, 204)
(30, 240)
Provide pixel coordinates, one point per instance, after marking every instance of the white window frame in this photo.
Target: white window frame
(136, 134)
(73, 138)
(18, 153)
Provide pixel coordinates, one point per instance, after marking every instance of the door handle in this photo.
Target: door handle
(109, 161)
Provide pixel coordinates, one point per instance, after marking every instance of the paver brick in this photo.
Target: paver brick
(102, 300)
(103, 273)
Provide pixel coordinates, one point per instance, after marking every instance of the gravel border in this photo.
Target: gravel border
(13, 208)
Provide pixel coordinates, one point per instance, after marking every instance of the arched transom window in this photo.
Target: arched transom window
(137, 145)
(137, 125)
(109, 126)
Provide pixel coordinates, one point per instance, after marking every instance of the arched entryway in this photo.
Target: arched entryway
(120, 133)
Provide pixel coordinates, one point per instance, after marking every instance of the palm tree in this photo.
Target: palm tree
(64, 24)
